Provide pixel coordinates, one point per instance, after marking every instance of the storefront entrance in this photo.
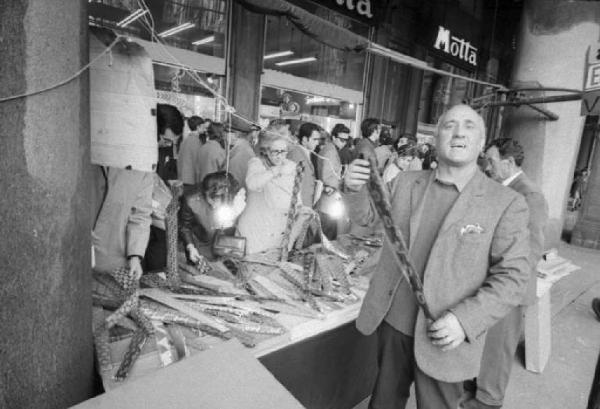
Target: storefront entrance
(582, 219)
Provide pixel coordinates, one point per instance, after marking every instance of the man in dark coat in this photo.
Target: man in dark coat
(505, 157)
(240, 149)
(370, 129)
(309, 137)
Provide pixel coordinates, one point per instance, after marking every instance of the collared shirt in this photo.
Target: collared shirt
(460, 183)
(509, 180)
(440, 197)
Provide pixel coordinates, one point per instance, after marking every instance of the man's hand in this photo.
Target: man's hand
(135, 267)
(357, 174)
(446, 332)
(193, 254)
(239, 202)
(328, 190)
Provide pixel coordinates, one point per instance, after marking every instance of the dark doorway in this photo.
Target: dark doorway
(582, 171)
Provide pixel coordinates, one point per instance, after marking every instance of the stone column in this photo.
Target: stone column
(553, 38)
(46, 349)
(246, 60)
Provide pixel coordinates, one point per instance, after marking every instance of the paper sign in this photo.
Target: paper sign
(122, 101)
(590, 104)
(592, 77)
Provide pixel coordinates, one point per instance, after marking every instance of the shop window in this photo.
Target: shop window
(289, 50)
(440, 92)
(197, 25)
(277, 103)
(176, 87)
(189, 27)
(473, 7)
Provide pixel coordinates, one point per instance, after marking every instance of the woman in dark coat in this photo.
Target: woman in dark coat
(214, 206)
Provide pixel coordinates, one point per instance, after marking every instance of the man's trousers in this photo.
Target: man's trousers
(498, 356)
(398, 370)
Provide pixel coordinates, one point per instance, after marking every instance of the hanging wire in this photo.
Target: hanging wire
(148, 21)
(67, 80)
(222, 100)
(228, 143)
(387, 62)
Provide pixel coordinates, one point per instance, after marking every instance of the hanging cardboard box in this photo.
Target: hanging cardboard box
(122, 105)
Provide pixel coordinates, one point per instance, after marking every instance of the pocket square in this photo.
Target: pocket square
(471, 229)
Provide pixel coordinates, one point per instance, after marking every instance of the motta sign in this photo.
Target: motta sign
(455, 46)
(362, 7)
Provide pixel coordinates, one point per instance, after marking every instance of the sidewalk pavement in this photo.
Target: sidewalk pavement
(566, 380)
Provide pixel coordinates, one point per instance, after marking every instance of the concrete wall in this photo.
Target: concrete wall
(551, 50)
(46, 354)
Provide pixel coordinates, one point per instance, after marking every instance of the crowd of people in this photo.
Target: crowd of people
(472, 219)
(262, 165)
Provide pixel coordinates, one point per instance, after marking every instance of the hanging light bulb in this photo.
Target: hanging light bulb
(337, 208)
(332, 205)
(224, 216)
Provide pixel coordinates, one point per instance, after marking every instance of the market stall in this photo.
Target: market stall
(296, 317)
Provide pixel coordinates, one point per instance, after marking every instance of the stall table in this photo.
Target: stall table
(324, 363)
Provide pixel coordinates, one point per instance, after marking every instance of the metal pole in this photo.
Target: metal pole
(540, 100)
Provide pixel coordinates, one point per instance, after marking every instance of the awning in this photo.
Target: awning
(179, 57)
(283, 80)
(338, 37)
(313, 26)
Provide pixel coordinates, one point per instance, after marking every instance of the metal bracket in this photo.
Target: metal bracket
(517, 97)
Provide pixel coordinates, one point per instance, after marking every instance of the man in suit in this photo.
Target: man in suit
(240, 149)
(329, 171)
(122, 225)
(188, 151)
(309, 137)
(468, 240)
(370, 130)
(329, 166)
(504, 157)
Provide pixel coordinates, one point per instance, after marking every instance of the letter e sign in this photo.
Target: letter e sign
(592, 77)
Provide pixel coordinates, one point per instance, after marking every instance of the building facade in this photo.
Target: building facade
(269, 65)
(45, 138)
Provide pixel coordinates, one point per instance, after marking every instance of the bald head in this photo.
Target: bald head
(462, 108)
(460, 136)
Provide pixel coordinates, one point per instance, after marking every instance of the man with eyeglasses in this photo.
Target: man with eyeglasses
(329, 170)
(329, 167)
(405, 155)
(309, 137)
